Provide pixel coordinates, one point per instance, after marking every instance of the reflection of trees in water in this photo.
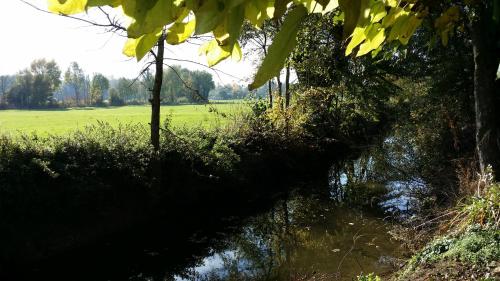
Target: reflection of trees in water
(302, 238)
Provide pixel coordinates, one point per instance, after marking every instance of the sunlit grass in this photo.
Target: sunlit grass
(62, 121)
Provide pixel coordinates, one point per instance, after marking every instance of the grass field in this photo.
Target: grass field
(61, 121)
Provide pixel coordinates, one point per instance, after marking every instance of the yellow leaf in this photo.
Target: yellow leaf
(391, 3)
(374, 38)
(139, 47)
(67, 7)
(394, 13)
(129, 48)
(180, 32)
(236, 55)
(149, 15)
(358, 36)
(214, 52)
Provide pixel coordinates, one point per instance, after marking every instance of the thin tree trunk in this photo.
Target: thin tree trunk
(155, 99)
(270, 91)
(287, 86)
(486, 59)
(279, 91)
(269, 83)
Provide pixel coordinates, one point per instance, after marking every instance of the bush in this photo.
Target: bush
(369, 277)
(114, 98)
(182, 100)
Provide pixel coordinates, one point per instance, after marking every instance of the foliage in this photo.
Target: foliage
(482, 208)
(35, 86)
(75, 78)
(368, 24)
(223, 20)
(115, 97)
(337, 113)
(475, 246)
(180, 82)
(127, 89)
(99, 86)
(369, 277)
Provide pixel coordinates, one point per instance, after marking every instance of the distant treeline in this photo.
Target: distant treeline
(44, 85)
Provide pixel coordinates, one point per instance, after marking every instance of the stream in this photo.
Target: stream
(299, 233)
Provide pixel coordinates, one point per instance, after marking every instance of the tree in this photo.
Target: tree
(369, 24)
(114, 98)
(127, 89)
(35, 86)
(261, 38)
(99, 86)
(46, 80)
(6, 82)
(203, 82)
(75, 78)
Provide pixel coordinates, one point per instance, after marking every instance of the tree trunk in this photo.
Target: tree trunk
(279, 91)
(77, 97)
(287, 86)
(155, 99)
(270, 91)
(486, 59)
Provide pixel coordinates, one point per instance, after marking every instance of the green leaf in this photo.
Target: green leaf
(377, 12)
(230, 28)
(332, 5)
(280, 8)
(208, 16)
(311, 5)
(97, 3)
(356, 13)
(257, 11)
(278, 52)
(180, 32)
(412, 24)
(398, 27)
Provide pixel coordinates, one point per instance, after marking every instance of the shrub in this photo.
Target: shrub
(114, 98)
(182, 100)
(369, 277)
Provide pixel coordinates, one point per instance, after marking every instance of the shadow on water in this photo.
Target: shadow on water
(298, 234)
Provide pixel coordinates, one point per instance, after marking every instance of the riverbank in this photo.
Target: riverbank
(464, 244)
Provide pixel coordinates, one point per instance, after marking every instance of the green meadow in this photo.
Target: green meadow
(61, 121)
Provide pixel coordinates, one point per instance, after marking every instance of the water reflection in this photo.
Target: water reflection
(304, 237)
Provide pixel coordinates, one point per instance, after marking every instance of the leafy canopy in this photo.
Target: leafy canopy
(368, 23)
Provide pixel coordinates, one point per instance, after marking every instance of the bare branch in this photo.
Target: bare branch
(189, 87)
(216, 71)
(112, 25)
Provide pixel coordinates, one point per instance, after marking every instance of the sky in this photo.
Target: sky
(28, 34)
